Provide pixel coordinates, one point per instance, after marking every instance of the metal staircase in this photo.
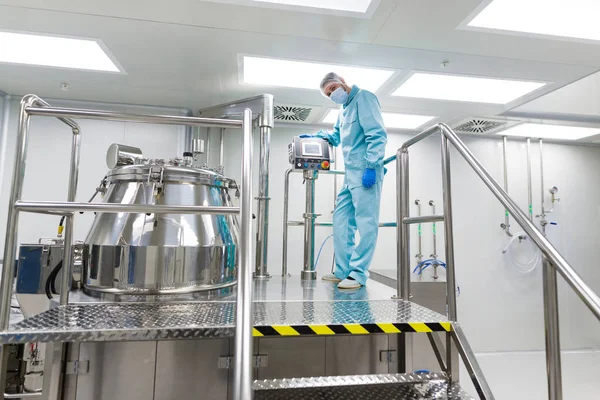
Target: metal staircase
(400, 317)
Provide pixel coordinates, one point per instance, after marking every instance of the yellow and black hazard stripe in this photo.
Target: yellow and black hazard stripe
(350, 329)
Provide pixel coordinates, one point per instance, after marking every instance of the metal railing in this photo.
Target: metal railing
(33, 105)
(309, 217)
(553, 261)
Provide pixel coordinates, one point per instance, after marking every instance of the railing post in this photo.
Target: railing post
(242, 385)
(449, 248)
(553, 358)
(68, 244)
(448, 232)
(403, 251)
(263, 204)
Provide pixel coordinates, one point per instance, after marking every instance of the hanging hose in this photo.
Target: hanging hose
(423, 265)
(521, 267)
(319, 253)
(50, 281)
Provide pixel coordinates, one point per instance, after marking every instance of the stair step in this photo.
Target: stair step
(362, 387)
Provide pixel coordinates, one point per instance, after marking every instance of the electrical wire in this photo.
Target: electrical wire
(50, 281)
(523, 267)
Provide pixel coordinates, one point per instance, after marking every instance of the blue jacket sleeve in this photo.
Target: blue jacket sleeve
(371, 121)
(334, 137)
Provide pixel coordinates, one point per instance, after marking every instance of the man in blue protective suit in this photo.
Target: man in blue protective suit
(360, 131)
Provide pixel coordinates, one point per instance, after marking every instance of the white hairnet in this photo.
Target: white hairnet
(330, 78)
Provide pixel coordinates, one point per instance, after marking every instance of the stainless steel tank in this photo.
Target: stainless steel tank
(155, 254)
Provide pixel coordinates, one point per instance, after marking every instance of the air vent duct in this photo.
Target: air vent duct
(480, 125)
(292, 113)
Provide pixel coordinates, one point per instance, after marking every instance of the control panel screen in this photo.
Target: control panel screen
(312, 149)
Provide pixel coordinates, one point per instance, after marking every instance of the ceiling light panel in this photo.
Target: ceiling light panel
(53, 51)
(573, 18)
(465, 88)
(543, 131)
(391, 120)
(306, 75)
(360, 6)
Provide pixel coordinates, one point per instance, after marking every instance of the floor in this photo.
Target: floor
(522, 375)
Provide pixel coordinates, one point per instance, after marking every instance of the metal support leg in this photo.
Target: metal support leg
(553, 358)
(286, 207)
(262, 234)
(309, 272)
(242, 385)
(468, 357)
(437, 348)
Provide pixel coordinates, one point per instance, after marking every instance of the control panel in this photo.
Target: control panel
(310, 154)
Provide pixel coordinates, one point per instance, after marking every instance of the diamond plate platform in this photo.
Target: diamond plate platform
(166, 321)
(362, 387)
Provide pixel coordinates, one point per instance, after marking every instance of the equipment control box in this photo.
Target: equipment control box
(310, 154)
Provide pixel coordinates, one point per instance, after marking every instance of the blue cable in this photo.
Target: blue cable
(427, 263)
(319, 254)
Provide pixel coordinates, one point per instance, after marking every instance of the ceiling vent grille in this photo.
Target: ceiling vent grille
(292, 113)
(480, 125)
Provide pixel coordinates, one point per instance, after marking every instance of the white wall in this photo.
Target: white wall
(46, 175)
(499, 308)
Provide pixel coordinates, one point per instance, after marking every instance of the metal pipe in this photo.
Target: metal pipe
(242, 383)
(308, 271)
(286, 206)
(62, 113)
(71, 194)
(543, 213)
(419, 255)
(389, 160)
(423, 135)
(403, 230)
(434, 230)
(557, 261)
(505, 168)
(10, 246)
(330, 172)
(189, 134)
(529, 185)
(22, 395)
(208, 146)
(552, 332)
(449, 234)
(4, 139)
(423, 219)
(262, 235)
(221, 146)
(65, 208)
(330, 224)
(468, 356)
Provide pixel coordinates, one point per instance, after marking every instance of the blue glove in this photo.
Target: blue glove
(306, 136)
(369, 177)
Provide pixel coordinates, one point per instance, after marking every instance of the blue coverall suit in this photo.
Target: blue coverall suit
(361, 132)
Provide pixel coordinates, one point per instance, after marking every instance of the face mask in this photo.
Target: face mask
(339, 96)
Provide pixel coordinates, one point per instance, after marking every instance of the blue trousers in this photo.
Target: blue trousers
(357, 209)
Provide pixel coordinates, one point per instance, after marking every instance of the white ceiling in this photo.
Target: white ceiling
(185, 53)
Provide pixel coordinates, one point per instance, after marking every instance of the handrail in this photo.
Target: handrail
(558, 262)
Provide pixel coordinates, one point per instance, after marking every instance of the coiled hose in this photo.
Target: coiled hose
(523, 267)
